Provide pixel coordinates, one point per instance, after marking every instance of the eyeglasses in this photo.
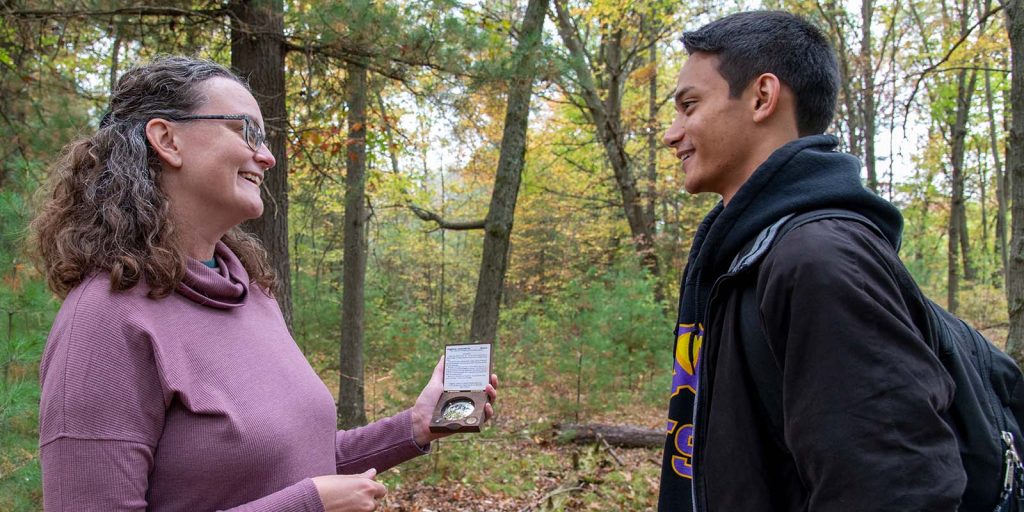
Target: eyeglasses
(253, 134)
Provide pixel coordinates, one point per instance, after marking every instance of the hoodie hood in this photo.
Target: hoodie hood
(224, 287)
(804, 175)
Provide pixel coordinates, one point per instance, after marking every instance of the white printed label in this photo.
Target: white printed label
(467, 367)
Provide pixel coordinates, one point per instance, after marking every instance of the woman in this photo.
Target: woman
(169, 380)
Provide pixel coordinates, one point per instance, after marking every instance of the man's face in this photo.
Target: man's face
(711, 133)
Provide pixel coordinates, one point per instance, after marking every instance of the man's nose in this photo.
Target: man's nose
(674, 133)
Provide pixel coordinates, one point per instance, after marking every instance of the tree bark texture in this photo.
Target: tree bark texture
(868, 92)
(1014, 10)
(606, 114)
(652, 136)
(958, 245)
(500, 215)
(351, 410)
(998, 175)
(970, 271)
(850, 105)
(257, 54)
(115, 56)
(857, 85)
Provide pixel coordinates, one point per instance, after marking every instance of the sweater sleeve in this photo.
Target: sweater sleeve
(301, 497)
(101, 408)
(91, 474)
(382, 444)
(863, 394)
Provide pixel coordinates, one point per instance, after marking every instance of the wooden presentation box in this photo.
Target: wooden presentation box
(467, 371)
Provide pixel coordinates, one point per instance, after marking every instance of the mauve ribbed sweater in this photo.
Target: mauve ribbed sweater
(197, 401)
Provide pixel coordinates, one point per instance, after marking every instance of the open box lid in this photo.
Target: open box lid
(467, 367)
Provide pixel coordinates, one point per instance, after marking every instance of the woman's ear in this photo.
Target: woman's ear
(160, 134)
(767, 88)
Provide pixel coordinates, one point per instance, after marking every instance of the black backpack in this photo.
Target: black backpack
(988, 405)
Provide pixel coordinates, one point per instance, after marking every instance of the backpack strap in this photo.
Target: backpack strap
(764, 240)
(764, 366)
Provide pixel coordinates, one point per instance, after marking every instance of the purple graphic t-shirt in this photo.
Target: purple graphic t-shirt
(677, 466)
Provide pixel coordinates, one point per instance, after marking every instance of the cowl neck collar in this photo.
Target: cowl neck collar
(224, 287)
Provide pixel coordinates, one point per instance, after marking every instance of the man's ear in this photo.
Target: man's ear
(766, 90)
(160, 134)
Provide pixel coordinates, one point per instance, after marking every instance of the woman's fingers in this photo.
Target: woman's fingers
(350, 493)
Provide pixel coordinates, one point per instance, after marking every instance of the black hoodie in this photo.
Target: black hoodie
(796, 310)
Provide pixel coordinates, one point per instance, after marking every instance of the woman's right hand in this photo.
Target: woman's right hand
(350, 493)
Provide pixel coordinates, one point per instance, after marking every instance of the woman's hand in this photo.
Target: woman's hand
(424, 407)
(350, 493)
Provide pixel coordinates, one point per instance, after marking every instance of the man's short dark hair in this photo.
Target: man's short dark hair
(751, 43)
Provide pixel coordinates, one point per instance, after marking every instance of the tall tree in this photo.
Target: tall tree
(501, 214)
(867, 92)
(612, 64)
(1015, 167)
(257, 54)
(653, 127)
(958, 242)
(999, 175)
(351, 411)
(858, 71)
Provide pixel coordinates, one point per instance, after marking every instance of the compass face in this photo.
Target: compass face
(457, 409)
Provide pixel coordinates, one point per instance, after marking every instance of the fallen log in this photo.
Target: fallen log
(623, 436)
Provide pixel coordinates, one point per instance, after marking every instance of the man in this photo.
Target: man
(863, 397)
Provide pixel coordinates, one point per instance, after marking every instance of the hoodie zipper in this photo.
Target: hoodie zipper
(699, 420)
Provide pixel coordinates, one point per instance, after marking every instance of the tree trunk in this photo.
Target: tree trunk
(605, 115)
(998, 176)
(851, 105)
(952, 267)
(922, 222)
(500, 215)
(652, 136)
(958, 242)
(257, 54)
(351, 410)
(983, 189)
(868, 93)
(1015, 166)
(653, 127)
(115, 56)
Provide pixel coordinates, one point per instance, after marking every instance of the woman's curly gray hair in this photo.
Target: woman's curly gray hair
(104, 209)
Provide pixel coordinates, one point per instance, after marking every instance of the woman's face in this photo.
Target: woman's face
(218, 181)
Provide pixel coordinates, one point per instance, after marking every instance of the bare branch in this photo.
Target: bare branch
(430, 216)
(601, 202)
(349, 54)
(971, 68)
(124, 11)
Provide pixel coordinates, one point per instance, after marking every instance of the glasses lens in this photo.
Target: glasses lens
(253, 135)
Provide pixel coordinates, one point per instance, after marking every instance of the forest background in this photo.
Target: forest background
(491, 170)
